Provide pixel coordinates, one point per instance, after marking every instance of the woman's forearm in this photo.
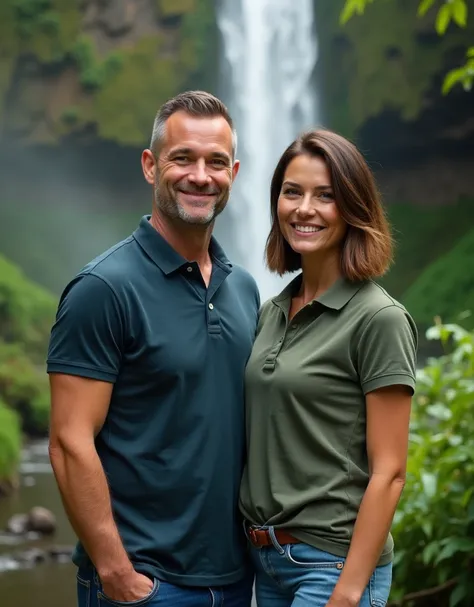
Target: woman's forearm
(370, 534)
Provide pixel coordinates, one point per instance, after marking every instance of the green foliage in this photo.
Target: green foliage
(124, 110)
(10, 442)
(463, 75)
(446, 286)
(26, 311)
(175, 7)
(24, 388)
(450, 11)
(423, 233)
(434, 525)
(93, 71)
(26, 316)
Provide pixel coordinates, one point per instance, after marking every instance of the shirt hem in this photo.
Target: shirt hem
(393, 379)
(80, 371)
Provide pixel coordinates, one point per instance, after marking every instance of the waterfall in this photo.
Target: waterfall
(269, 53)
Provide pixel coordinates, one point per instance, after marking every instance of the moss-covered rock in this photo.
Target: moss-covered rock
(175, 7)
(119, 80)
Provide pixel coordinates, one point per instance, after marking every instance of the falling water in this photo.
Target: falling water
(269, 53)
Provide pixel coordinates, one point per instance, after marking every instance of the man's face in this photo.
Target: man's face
(195, 170)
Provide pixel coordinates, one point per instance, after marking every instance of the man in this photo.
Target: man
(146, 365)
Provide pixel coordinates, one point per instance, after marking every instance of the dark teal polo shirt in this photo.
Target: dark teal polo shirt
(173, 443)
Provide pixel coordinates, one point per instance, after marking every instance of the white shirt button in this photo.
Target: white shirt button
(189, 269)
(211, 307)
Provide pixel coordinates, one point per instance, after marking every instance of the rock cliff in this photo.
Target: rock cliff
(98, 68)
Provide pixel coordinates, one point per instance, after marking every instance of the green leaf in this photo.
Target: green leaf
(424, 7)
(452, 78)
(459, 12)
(470, 51)
(458, 594)
(350, 8)
(439, 411)
(429, 552)
(453, 546)
(443, 18)
(430, 483)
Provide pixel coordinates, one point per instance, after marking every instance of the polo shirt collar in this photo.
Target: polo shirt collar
(336, 297)
(163, 254)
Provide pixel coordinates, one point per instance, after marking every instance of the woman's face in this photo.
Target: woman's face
(307, 212)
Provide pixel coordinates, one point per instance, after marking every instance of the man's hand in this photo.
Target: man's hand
(127, 588)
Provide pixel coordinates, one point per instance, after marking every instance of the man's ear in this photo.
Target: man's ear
(235, 169)
(149, 166)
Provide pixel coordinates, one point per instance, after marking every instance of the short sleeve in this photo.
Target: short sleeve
(387, 350)
(87, 337)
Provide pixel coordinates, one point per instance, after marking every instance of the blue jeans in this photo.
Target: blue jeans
(89, 594)
(297, 575)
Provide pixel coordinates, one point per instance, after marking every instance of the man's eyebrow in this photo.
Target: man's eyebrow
(190, 151)
(180, 151)
(221, 155)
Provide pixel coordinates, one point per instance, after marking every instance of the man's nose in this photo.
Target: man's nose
(199, 174)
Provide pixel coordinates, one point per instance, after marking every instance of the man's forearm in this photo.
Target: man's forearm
(370, 533)
(85, 494)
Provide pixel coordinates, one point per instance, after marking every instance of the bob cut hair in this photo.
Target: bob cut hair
(367, 248)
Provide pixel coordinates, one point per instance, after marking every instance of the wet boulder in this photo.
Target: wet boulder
(41, 520)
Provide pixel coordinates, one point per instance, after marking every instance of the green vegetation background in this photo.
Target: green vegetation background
(121, 91)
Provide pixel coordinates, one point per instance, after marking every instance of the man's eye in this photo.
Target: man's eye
(219, 162)
(182, 158)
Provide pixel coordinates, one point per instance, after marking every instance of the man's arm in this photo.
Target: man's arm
(84, 361)
(79, 407)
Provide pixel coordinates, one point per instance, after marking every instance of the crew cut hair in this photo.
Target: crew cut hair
(368, 246)
(194, 103)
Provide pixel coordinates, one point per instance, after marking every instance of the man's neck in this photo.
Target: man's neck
(190, 241)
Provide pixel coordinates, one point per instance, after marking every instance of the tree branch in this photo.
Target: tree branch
(423, 594)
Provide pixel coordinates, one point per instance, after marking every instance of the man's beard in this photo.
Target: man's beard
(166, 200)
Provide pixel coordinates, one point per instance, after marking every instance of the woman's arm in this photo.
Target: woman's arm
(388, 414)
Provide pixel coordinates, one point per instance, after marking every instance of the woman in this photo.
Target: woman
(328, 389)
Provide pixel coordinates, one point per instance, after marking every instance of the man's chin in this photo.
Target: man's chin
(196, 218)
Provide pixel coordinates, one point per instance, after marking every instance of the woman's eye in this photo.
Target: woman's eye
(326, 196)
(291, 192)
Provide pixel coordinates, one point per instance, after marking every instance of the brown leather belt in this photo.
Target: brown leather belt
(261, 537)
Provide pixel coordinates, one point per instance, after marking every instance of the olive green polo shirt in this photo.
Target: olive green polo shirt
(306, 382)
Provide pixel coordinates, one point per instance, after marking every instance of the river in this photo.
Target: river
(51, 585)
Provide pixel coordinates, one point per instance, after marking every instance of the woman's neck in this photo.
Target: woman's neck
(318, 275)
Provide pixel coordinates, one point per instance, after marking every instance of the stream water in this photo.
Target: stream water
(44, 584)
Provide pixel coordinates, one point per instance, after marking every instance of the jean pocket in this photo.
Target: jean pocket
(105, 601)
(379, 585)
(304, 555)
(83, 591)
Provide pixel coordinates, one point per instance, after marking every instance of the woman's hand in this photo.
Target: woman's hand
(335, 601)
